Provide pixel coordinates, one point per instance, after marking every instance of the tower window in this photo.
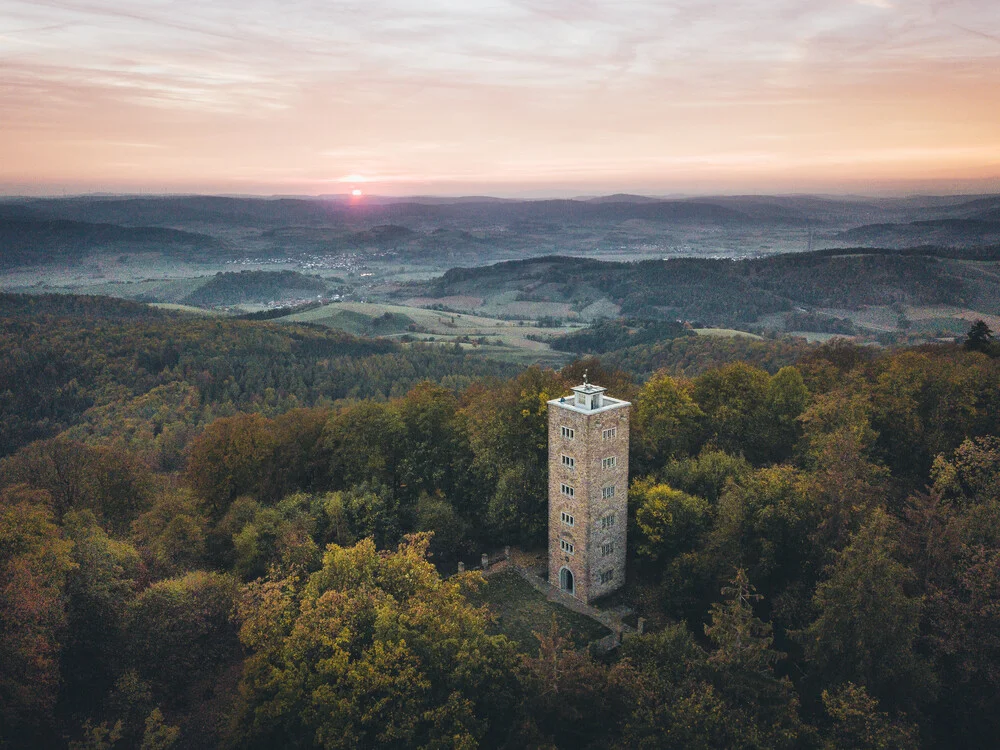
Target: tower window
(609, 433)
(569, 461)
(568, 432)
(566, 547)
(608, 492)
(607, 548)
(608, 521)
(567, 490)
(609, 463)
(568, 519)
(607, 576)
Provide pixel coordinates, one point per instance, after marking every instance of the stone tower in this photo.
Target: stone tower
(588, 491)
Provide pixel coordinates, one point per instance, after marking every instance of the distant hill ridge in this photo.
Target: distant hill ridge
(727, 292)
(37, 240)
(233, 288)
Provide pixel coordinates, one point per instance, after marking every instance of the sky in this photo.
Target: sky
(501, 97)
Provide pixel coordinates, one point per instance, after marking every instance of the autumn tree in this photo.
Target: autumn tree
(372, 650)
(364, 443)
(231, 458)
(34, 563)
(111, 483)
(668, 521)
(857, 722)
(667, 421)
(508, 431)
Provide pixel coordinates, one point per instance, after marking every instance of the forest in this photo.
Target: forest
(232, 533)
(735, 292)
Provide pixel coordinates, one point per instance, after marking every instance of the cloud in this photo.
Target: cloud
(455, 88)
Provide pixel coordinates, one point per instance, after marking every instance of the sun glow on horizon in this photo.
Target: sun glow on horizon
(518, 98)
(357, 192)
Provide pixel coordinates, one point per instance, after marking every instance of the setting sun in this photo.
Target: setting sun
(357, 192)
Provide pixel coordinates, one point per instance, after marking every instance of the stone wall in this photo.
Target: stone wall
(588, 477)
(599, 507)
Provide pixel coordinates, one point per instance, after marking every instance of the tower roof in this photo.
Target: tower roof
(588, 398)
(588, 388)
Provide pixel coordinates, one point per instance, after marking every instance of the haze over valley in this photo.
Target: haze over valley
(888, 269)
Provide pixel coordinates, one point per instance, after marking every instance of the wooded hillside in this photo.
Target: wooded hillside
(213, 551)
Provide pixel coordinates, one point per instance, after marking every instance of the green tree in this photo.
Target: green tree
(787, 397)
(844, 481)
(867, 625)
(365, 444)
(735, 400)
(437, 515)
(765, 524)
(435, 454)
(706, 474)
(743, 662)
(743, 643)
(158, 735)
(980, 338)
(570, 700)
(667, 421)
(172, 534)
(965, 641)
(100, 588)
(668, 521)
(281, 536)
(508, 431)
(372, 650)
(972, 474)
(180, 632)
(664, 678)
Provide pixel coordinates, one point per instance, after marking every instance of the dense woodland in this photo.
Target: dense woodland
(730, 292)
(228, 288)
(228, 533)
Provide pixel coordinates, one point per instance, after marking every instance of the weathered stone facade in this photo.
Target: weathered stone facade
(588, 491)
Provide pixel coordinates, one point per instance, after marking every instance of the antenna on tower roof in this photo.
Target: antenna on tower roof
(585, 378)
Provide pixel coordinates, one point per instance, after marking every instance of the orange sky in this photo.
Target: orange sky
(507, 97)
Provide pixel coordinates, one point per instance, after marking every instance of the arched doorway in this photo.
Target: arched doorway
(566, 580)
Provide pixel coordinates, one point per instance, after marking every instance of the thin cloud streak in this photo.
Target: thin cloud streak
(440, 91)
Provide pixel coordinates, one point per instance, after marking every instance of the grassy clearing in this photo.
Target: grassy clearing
(814, 337)
(726, 333)
(504, 339)
(184, 308)
(520, 612)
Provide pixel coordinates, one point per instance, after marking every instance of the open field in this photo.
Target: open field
(520, 612)
(184, 308)
(871, 318)
(814, 337)
(958, 315)
(504, 339)
(726, 333)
